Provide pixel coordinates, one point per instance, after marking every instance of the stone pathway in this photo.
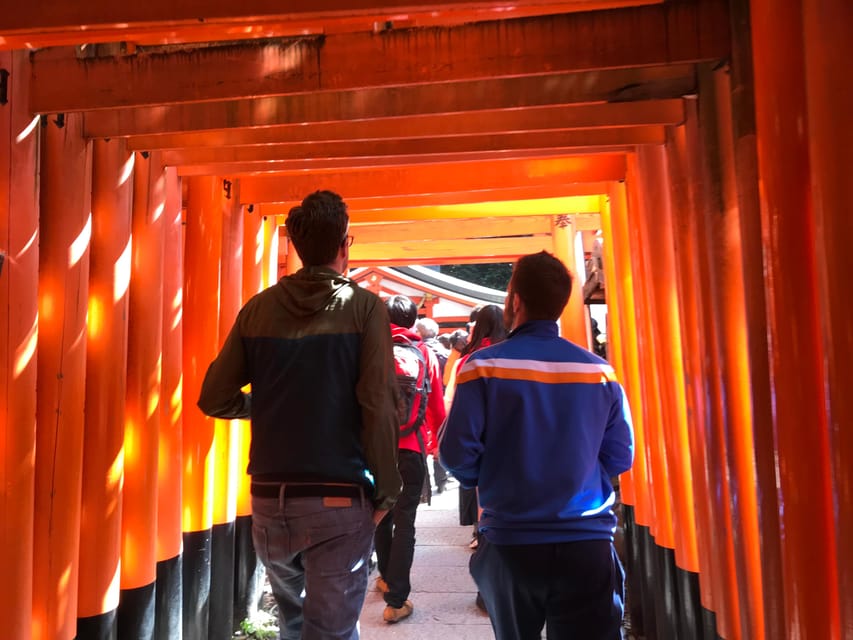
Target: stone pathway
(443, 592)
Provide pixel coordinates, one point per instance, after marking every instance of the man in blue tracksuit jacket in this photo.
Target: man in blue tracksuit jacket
(540, 425)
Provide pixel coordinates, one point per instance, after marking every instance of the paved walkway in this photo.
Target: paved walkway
(443, 592)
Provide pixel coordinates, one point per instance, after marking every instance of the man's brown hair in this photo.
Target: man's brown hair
(318, 227)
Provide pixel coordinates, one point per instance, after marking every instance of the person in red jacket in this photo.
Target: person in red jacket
(395, 535)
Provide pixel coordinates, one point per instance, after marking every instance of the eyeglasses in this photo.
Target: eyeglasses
(347, 240)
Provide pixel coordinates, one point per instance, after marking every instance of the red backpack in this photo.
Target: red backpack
(410, 367)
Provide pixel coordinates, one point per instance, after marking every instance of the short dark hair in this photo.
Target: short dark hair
(401, 311)
(544, 285)
(317, 227)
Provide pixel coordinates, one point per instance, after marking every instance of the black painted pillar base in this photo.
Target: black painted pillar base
(221, 582)
(196, 582)
(100, 627)
(664, 599)
(249, 573)
(136, 613)
(168, 599)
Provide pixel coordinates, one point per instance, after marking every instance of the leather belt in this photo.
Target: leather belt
(273, 490)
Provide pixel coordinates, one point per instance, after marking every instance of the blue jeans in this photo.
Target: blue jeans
(315, 551)
(577, 588)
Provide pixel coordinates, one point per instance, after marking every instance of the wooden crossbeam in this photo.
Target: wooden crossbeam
(651, 35)
(236, 169)
(451, 229)
(56, 22)
(245, 160)
(611, 85)
(434, 179)
(536, 118)
(579, 197)
(442, 251)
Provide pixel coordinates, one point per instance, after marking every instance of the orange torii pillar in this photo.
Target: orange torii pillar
(202, 248)
(715, 448)
(798, 375)
(574, 325)
(167, 616)
(142, 417)
(689, 279)
(728, 300)
(227, 432)
(657, 232)
(270, 268)
(660, 573)
(752, 258)
(65, 229)
(106, 369)
(19, 252)
(248, 572)
(622, 351)
(830, 103)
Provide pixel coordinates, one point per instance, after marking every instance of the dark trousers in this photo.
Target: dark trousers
(439, 473)
(575, 588)
(395, 535)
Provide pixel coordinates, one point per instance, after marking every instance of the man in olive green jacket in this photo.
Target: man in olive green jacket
(317, 351)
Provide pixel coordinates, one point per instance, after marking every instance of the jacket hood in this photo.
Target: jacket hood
(310, 290)
(412, 335)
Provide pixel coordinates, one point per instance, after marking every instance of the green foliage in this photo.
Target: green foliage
(494, 275)
(259, 629)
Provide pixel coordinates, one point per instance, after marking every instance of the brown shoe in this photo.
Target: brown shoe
(381, 585)
(395, 614)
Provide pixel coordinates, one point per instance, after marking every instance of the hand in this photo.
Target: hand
(378, 514)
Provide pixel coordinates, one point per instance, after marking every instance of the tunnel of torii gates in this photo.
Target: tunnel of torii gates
(143, 180)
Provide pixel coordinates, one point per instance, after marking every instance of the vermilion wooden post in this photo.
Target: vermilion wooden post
(830, 102)
(746, 177)
(706, 196)
(615, 340)
(270, 263)
(573, 322)
(729, 297)
(227, 432)
(661, 517)
(142, 423)
(201, 313)
(666, 316)
(169, 540)
(797, 349)
(659, 571)
(687, 272)
(248, 569)
(106, 376)
(19, 243)
(622, 288)
(65, 224)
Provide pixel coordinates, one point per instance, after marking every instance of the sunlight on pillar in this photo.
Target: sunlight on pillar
(259, 245)
(95, 317)
(177, 310)
(131, 443)
(111, 597)
(62, 588)
(25, 133)
(121, 272)
(29, 245)
(176, 403)
(81, 243)
(127, 170)
(158, 211)
(154, 395)
(27, 349)
(115, 475)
